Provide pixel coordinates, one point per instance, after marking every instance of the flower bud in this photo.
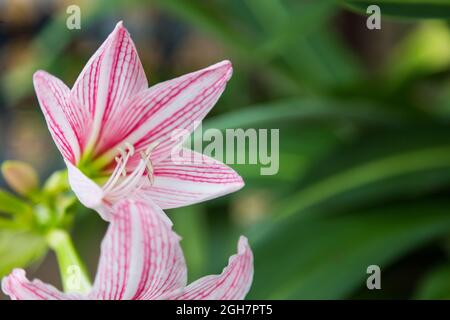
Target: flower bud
(20, 176)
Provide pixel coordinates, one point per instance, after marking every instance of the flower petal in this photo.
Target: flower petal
(190, 179)
(62, 119)
(233, 284)
(18, 287)
(87, 191)
(140, 257)
(155, 114)
(109, 79)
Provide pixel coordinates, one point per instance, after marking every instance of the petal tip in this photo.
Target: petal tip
(120, 27)
(240, 182)
(39, 74)
(19, 273)
(16, 276)
(243, 245)
(5, 285)
(228, 67)
(225, 63)
(42, 79)
(117, 34)
(224, 67)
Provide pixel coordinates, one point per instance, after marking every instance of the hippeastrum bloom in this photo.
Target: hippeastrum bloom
(116, 134)
(141, 258)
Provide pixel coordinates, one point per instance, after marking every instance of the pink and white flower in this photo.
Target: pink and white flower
(141, 259)
(112, 125)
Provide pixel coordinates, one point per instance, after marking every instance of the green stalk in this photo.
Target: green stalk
(73, 272)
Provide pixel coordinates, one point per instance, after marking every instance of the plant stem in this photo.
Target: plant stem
(73, 272)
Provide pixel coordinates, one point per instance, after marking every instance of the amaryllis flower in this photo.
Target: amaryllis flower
(116, 134)
(141, 259)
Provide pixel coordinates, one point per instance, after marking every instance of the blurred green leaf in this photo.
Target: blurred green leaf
(306, 62)
(19, 249)
(190, 223)
(426, 49)
(288, 24)
(436, 285)
(327, 258)
(325, 60)
(406, 8)
(315, 58)
(417, 162)
(207, 18)
(210, 20)
(278, 112)
(11, 204)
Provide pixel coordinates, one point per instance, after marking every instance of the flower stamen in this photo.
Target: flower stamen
(121, 167)
(145, 155)
(122, 183)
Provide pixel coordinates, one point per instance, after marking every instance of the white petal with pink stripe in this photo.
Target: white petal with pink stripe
(110, 109)
(141, 259)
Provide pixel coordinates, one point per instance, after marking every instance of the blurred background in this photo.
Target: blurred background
(363, 115)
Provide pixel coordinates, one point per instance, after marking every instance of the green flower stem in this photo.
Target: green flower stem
(73, 272)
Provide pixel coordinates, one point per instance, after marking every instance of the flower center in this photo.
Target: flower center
(121, 183)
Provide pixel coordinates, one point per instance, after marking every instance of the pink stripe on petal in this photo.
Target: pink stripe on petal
(112, 76)
(154, 114)
(233, 284)
(140, 257)
(190, 179)
(18, 287)
(62, 119)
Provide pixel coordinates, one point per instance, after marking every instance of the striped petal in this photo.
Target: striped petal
(156, 113)
(109, 79)
(190, 179)
(233, 284)
(87, 191)
(18, 287)
(62, 118)
(140, 256)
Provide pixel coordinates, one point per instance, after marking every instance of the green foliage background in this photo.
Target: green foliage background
(364, 137)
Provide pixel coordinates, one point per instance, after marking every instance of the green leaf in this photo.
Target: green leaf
(371, 164)
(406, 8)
(12, 204)
(19, 249)
(436, 285)
(288, 24)
(207, 19)
(305, 62)
(305, 109)
(425, 50)
(328, 258)
(298, 34)
(190, 223)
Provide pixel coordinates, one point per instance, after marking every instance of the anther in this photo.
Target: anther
(145, 155)
(130, 148)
